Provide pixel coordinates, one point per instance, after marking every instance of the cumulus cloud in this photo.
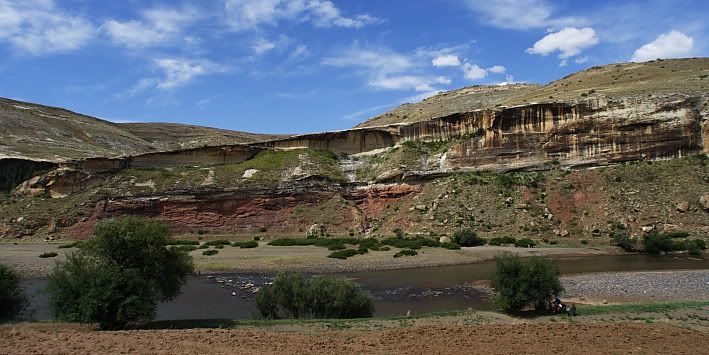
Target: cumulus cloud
(449, 60)
(520, 14)
(263, 45)
(473, 72)
(38, 27)
(245, 15)
(178, 72)
(673, 44)
(497, 69)
(157, 27)
(570, 41)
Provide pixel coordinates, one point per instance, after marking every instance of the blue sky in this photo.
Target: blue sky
(293, 66)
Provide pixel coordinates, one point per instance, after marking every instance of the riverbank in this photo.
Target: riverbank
(669, 328)
(269, 259)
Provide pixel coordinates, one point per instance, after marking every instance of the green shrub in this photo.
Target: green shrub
(203, 246)
(48, 254)
(468, 238)
(584, 241)
(451, 246)
(406, 252)
(525, 243)
(622, 239)
(335, 247)
(521, 282)
(677, 234)
(291, 296)
(220, 246)
(403, 243)
(248, 245)
(398, 233)
(70, 245)
(502, 241)
(119, 276)
(216, 243)
(13, 301)
(210, 252)
(384, 248)
(184, 248)
(658, 242)
(695, 247)
(343, 254)
(182, 242)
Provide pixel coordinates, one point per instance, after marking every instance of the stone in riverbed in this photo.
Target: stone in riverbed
(683, 206)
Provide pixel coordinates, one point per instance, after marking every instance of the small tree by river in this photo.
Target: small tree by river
(521, 282)
(118, 277)
(13, 300)
(292, 296)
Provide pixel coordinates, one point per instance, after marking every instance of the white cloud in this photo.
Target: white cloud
(581, 60)
(370, 110)
(387, 70)
(420, 97)
(38, 27)
(175, 72)
(570, 41)
(673, 44)
(180, 71)
(245, 15)
(473, 72)
(300, 51)
(157, 27)
(262, 46)
(449, 60)
(408, 82)
(497, 69)
(520, 14)
(382, 61)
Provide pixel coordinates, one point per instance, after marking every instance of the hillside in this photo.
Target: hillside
(37, 132)
(659, 77)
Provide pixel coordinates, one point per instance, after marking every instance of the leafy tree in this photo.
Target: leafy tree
(292, 296)
(656, 242)
(468, 238)
(119, 276)
(13, 301)
(521, 282)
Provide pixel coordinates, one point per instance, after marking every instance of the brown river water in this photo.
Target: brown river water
(395, 292)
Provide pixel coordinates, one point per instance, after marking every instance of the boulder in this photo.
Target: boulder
(683, 206)
(444, 239)
(422, 208)
(704, 202)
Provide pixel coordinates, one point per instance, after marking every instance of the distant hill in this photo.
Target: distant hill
(659, 77)
(46, 133)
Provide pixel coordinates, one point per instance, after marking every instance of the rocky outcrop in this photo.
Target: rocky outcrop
(58, 183)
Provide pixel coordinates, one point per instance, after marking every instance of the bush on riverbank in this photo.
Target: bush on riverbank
(292, 296)
(118, 277)
(468, 238)
(525, 243)
(502, 241)
(210, 252)
(246, 245)
(406, 252)
(521, 282)
(48, 254)
(13, 300)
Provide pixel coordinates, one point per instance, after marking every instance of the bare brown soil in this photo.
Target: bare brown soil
(568, 338)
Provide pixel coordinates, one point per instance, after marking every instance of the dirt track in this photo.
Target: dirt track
(568, 338)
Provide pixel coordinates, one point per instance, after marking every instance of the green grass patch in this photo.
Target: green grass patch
(639, 307)
(406, 252)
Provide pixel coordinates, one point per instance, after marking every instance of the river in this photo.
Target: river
(396, 292)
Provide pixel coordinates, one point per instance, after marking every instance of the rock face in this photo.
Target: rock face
(592, 132)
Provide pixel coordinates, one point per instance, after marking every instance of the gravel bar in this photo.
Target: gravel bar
(639, 286)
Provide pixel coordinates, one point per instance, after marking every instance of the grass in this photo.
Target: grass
(655, 307)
